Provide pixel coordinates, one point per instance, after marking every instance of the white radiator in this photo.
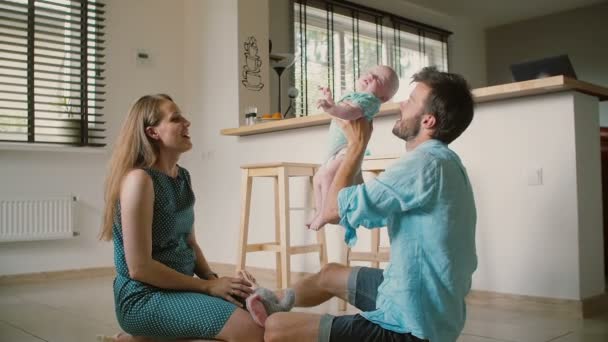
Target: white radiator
(37, 219)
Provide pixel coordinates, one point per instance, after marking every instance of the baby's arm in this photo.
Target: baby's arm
(343, 110)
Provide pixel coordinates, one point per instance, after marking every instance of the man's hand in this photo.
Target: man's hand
(357, 132)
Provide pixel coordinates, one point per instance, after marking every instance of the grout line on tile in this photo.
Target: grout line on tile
(488, 337)
(560, 336)
(63, 309)
(21, 329)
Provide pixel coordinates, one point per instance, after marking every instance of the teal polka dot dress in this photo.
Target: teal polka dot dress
(144, 310)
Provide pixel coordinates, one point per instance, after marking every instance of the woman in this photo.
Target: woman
(149, 215)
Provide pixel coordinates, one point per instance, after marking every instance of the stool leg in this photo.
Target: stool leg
(283, 181)
(246, 183)
(321, 240)
(342, 303)
(375, 246)
(323, 252)
(277, 231)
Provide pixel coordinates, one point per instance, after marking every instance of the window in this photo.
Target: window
(336, 40)
(51, 67)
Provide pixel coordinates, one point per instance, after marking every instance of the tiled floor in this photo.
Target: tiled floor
(78, 310)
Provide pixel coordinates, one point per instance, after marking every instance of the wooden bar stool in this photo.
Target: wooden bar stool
(281, 172)
(372, 165)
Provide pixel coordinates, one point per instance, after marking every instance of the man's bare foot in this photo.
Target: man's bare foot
(256, 309)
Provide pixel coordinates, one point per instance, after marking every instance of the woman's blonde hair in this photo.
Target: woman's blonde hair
(133, 149)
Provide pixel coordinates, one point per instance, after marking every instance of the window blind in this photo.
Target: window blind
(335, 41)
(51, 71)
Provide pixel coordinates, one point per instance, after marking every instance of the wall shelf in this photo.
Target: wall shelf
(486, 94)
(299, 122)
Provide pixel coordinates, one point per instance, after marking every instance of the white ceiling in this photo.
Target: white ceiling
(490, 13)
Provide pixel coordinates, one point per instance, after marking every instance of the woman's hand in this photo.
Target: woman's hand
(228, 288)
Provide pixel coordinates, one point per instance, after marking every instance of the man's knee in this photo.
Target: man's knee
(333, 276)
(275, 328)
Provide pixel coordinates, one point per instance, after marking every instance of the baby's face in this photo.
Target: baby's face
(376, 81)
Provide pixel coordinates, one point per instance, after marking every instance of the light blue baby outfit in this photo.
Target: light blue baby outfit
(426, 201)
(369, 104)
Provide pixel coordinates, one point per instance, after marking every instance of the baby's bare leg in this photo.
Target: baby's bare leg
(316, 183)
(331, 168)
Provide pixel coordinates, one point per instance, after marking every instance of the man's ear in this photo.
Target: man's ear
(429, 121)
(151, 133)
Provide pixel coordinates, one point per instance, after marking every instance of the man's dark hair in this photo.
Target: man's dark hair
(450, 101)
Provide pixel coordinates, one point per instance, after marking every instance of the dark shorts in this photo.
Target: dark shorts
(363, 285)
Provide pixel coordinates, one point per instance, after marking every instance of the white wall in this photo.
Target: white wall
(589, 197)
(155, 25)
(579, 33)
(538, 240)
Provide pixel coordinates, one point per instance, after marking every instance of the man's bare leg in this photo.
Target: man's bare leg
(240, 327)
(123, 337)
(264, 302)
(292, 327)
(331, 281)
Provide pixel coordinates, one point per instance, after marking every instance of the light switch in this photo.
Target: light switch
(535, 176)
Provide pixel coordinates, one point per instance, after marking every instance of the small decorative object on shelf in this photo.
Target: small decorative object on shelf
(250, 119)
(250, 115)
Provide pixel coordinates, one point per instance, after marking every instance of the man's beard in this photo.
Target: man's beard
(408, 130)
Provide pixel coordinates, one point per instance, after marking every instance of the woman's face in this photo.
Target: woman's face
(171, 133)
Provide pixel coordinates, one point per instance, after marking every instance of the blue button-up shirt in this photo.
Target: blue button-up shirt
(426, 201)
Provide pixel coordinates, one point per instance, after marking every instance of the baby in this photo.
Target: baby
(376, 86)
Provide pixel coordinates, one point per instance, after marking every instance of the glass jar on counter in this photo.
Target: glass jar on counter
(251, 114)
(250, 119)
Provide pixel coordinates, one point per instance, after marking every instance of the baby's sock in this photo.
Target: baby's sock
(263, 302)
(272, 303)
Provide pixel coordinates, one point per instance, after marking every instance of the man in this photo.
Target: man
(426, 202)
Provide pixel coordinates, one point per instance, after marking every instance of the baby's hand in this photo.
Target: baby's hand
(324, 104)
(327, 101)
(326, 93)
